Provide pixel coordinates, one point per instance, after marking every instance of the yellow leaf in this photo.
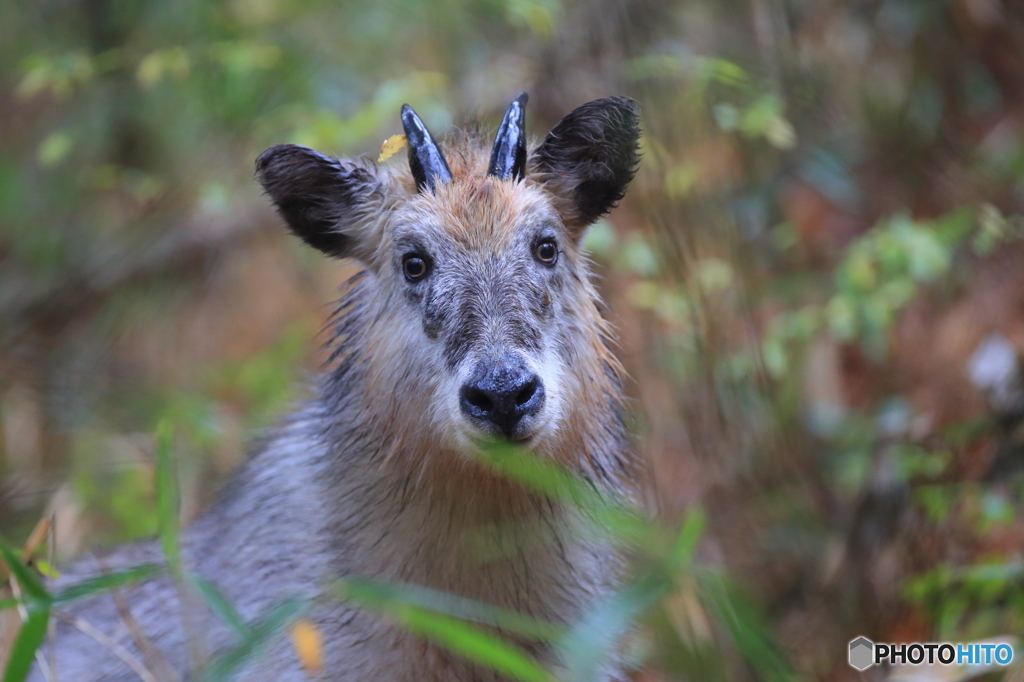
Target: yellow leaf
(308, 646)
(47, 569)
(390, 146)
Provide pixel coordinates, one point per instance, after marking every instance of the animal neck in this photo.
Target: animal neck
(450, 525)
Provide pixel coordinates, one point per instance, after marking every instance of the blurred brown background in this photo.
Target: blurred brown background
(817, 277)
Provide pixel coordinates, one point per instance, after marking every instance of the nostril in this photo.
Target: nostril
(477, 399)
(526, 393)
(502, 399)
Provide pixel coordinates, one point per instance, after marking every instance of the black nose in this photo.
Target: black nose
(502, 394)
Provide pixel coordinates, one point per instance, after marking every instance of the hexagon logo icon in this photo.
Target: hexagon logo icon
(862, 652)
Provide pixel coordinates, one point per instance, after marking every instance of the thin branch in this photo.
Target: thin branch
(82, 290)
(126, 656)
(154, 657)
(42, 528)
(188, 623)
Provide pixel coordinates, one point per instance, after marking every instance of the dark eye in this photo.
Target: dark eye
(546, 252)
(414, 266)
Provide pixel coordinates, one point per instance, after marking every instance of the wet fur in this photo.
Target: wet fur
(374, 476)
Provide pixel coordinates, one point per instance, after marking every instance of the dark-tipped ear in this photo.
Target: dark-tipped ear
(325, 201)
(587, 160)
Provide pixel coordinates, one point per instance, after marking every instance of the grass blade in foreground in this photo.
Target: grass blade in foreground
(608, 513)
(225, 665)
(470, 641)
(30, 583)
(598, 633)
(746, 628)
(23, 653)
(37, 601)
(221, 606)
(108, 581)
(167, 499)
(374, 594)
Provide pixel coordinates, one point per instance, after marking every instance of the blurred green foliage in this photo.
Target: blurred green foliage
(813, 175)
(462, 625)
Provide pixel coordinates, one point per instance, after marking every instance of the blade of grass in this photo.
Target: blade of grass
(221, 606)
(377, 594)
(29, 582)
(30, 636)
(595, 637)
(463, 638)
(472, 643)
(35, 538)
(597, 633)
(167, 498)
(107, 582)
(277, 618)
(608, 513)
(681, 554)
(538, 474)
(169, 518)
(748, 632)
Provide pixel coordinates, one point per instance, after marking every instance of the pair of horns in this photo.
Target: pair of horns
(508, 155)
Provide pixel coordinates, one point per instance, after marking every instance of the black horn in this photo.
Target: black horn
(425, 158)
(508, 156)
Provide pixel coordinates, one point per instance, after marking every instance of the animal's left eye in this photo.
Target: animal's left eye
(415, 267)
(546, 252)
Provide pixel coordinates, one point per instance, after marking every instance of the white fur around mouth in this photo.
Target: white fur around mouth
(472, 438)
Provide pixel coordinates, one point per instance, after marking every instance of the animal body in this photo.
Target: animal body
(474, 317)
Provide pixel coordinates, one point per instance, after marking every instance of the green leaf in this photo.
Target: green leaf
(228, 662)
(108, 581)
(221, 606)
(377, 594)
(480, 646)
(31, 635)
(28, 580)
(46, 568)
(606, 511)
(597, 633)
(690, 534)
(473, 643)
(167, 498)
(748, 632)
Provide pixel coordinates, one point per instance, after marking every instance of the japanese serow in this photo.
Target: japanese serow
(474, 319)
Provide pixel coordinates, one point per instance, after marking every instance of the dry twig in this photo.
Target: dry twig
(126, 656)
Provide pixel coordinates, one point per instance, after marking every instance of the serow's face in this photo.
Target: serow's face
(489, 278)
(482, 313)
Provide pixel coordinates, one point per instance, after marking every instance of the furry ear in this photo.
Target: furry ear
(587, 160)
(325, 201)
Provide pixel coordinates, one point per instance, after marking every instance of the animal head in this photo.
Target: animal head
(480, 316)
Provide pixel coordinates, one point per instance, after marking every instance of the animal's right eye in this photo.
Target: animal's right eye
(546, 252)
(414, 266)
